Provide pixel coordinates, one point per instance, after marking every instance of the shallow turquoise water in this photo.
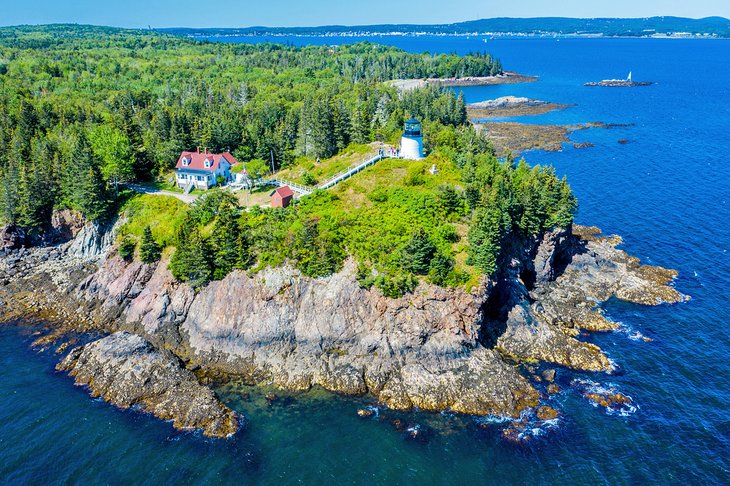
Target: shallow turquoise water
(666, 193)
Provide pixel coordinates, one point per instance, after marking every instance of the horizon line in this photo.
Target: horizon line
(149, 26)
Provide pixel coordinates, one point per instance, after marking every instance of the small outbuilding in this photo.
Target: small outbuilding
(281, 197)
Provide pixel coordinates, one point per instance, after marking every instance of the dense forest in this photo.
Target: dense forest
(83, 109)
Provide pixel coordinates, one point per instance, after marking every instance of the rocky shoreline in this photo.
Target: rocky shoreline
(515, 138)
(509, 106)
(508, 77)
(618, 83)
(437, 349)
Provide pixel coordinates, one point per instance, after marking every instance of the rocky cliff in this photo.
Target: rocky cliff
(435, 349)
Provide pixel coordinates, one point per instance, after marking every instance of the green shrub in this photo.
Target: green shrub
(127, 247)
(308, 179)
(149, 250)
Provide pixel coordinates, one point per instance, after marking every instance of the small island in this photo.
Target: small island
(619, 83)
(508, 106)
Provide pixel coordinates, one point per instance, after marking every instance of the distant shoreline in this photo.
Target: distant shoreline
(493, 36)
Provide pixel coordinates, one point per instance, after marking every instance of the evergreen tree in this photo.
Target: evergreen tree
(83, 186)
(9, 198)
(341, 125)
(36, 190)
(485, 237)
(360, 126)
(127, 247)
(191, 261)
(417, 254)
(224, 241)
(149, 250)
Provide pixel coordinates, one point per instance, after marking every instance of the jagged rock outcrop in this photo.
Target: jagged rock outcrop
(434, 349)
(575, 273)
(91, 242)
(65, 225)
(279, 327)
(12, 237)
(126, 370)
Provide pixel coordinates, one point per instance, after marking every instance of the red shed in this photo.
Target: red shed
(281, 197)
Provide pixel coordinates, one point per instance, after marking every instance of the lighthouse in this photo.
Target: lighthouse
(411, 144)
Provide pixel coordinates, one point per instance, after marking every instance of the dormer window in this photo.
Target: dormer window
(185, 161)
(207, 163)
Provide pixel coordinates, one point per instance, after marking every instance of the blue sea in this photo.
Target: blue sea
(666, 192)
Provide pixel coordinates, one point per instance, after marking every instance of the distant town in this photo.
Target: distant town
(652, 27)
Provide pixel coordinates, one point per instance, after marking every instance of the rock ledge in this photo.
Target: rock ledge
(126, 370)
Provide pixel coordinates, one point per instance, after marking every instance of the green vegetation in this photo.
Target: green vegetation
(83, 109)
(161, 213)
(149, 250)
(126, 248)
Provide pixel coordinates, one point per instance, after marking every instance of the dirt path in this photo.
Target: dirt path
(186, 198)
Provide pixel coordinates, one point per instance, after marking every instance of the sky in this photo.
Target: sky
(285, 13)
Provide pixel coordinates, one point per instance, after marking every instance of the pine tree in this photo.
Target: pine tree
(485, 237)
(191, 261)
(224, 241)
(36, 191)
(149, 250)
(341, 123)
(9, 198)
(417, 254)
(83, 187)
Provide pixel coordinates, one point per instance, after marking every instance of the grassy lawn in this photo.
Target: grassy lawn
(161, 213)
(258, 196)
(350, 156)
(397, 173)
(383, 204)
(161, 184)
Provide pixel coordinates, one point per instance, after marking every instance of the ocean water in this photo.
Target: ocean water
(666, 192)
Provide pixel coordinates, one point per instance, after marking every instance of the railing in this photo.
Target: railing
(301, 189)
(337, 178)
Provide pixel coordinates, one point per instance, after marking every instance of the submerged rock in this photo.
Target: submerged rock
(126, 370)
(609, 399)
(546, 413)
(365, 412)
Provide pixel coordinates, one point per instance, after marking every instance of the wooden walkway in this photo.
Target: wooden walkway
(303, 190)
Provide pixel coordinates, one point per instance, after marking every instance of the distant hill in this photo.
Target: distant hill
(612, 27)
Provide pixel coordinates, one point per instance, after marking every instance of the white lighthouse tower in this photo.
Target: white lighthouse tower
(411, 143)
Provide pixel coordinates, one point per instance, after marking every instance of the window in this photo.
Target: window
(207, 164)
(185, 161)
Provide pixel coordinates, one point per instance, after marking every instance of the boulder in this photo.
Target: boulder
(12, 237)
(126, 370)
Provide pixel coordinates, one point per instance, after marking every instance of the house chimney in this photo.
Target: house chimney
(198, 149)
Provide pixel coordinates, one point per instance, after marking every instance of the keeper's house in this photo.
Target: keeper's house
(201, 170)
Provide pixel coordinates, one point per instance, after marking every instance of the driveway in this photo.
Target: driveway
(186, 198)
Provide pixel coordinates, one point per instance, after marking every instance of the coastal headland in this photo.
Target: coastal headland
(437, 349)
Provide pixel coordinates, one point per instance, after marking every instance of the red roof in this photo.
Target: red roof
(196, 160)
(283, 191)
